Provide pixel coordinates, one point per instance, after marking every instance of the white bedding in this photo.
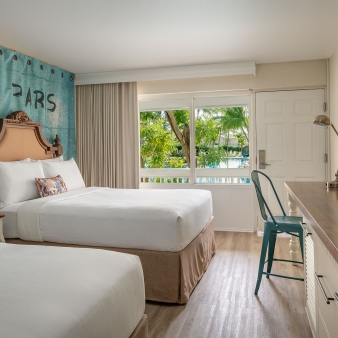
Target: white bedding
(162, 220)
(67, 292)
(10, 220)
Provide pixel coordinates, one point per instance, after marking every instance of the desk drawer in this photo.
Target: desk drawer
(327, 314)
(328, 268)
(328, 283)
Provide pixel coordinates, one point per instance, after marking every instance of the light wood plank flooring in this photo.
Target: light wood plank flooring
(223, 303)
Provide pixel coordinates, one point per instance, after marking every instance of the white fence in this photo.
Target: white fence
(203, 176)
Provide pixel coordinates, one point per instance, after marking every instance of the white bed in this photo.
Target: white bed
(140, 219)
(66, 292)
(10, 226)
(170, 230)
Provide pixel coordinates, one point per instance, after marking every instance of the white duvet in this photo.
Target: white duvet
(48, 292)
(162, 220)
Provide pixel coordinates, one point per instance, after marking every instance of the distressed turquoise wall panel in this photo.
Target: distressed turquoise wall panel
(44, 92)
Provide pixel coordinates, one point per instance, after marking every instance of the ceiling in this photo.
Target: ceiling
(85, 36)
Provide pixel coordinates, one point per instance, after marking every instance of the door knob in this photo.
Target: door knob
(262, 163)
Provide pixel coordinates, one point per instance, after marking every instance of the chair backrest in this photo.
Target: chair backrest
(261, 201)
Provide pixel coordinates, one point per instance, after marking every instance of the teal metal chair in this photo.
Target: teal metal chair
(273, 225)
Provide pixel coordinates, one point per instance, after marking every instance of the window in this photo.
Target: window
(165, 135)
(210, 145)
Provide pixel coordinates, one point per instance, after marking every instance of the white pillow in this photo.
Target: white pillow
(17, 181)
(25, 160)
(68, 170)
(56, 159)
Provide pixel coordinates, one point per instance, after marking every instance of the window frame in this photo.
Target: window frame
(192, 96)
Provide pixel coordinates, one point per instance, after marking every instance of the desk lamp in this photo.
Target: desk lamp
(323, 120)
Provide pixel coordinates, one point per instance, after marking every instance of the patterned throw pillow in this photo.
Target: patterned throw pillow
(51, 186)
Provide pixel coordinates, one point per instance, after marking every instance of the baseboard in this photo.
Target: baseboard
(234, 230)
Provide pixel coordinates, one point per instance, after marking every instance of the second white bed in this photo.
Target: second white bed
(67, 292)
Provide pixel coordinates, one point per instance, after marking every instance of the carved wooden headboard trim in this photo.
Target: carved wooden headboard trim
(20, 120)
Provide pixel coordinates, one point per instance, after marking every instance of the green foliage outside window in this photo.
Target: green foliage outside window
(158, 145)
(165, 136)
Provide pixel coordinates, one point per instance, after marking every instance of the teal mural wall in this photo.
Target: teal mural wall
(44, 92)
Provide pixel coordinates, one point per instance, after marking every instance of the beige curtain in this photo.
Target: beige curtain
(107, 132)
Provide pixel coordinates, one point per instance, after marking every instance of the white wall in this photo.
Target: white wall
(333, 66)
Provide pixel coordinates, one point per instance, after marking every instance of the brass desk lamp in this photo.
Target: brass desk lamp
(323, 120)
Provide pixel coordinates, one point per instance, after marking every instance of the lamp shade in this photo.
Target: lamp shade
(322, 120)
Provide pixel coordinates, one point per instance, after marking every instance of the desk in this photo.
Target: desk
(319, 207)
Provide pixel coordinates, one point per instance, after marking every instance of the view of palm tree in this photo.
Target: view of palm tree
(220, 133)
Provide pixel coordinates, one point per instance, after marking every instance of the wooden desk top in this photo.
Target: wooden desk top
(320, 207)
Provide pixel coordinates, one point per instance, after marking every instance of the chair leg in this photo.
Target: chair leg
(301, 243)
(271, 250)
(262, 259)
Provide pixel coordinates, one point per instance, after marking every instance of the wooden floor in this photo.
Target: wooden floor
(223, 303)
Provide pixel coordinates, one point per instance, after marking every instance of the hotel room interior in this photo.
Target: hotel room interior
(150, 154)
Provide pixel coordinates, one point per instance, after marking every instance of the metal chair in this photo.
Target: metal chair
(274, 225)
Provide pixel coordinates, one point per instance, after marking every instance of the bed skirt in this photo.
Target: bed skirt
(141, 330)
(169, 277)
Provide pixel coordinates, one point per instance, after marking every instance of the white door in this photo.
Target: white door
(294, 146)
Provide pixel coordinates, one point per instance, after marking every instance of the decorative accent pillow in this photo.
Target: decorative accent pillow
(51, 186)
(68, 170)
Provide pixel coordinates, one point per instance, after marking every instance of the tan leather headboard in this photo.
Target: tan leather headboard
(21, 138)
